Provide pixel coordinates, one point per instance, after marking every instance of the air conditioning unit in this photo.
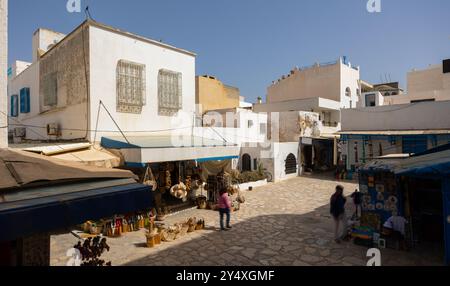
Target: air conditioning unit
(53, 129)
(20, 132)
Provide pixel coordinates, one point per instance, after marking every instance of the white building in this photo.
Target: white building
(338, 81)
(431, 84)
(3, 70)
(304, 109)
(371, 99)
(100, 84)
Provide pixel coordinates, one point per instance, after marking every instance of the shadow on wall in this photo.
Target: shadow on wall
(276, 240)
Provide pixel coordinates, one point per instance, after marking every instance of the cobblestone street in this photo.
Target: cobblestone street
(284, 224)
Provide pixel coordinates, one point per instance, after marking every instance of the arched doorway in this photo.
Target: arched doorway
(246, 163)
(291, 164)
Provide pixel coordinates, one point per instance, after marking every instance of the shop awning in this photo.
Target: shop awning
(26, 212)
(20, 169)
(431, 163)
(437, 164)
(74, 152)
(140, 150)
(39, 194)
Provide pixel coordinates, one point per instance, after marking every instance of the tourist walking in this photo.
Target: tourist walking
(224, 209)
(357, 201)
(337, 210)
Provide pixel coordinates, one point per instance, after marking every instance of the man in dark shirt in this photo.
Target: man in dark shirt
(337, 211)
(357, 201)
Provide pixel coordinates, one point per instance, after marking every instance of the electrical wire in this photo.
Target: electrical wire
(101, 131)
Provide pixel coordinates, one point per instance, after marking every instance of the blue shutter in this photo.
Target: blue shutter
(14, 105)
(25, 100)
(22, 100)
(28, 109)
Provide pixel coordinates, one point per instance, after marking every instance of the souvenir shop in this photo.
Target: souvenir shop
(184, 184)
(415, 189)
(175, 186)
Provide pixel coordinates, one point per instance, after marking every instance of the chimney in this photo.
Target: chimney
(446, 66)
(44, 40)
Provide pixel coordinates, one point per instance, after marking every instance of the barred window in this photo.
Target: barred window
(130, 87)
(169, 92)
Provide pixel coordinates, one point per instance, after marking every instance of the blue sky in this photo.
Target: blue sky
(249, 43)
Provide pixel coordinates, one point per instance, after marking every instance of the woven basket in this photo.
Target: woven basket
(184, 229)
(157, 238)
(151, 241)
(167, 236)
(192, 228)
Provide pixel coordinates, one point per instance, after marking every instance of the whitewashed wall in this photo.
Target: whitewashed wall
(349, 78)
(106, 50)
(273, 157)
(420, 116)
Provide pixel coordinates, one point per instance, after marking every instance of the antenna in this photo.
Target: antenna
(88, 13)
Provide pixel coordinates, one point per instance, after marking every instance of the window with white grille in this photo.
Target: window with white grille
(169, 92)
(130, 87)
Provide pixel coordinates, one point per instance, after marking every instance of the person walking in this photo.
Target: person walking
(224, 209)
(337, 210)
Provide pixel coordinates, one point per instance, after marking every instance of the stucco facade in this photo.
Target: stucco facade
(273, 158)
(106, 49)
(82, 68)
(212, 94)
(424, 85)
(337, 81)
(3, 72)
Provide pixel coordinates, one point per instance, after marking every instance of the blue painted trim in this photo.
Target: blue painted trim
(217, 159)
(143, 165)
(135, 165)
(115, 144)
(47, 214)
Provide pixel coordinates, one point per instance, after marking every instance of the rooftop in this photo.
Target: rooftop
(121, 32)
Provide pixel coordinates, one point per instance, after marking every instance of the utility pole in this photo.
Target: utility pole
(3, 73)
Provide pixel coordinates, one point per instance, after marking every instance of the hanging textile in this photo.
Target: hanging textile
(212, 168)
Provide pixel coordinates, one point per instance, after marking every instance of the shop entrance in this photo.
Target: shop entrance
(426, 214)
(323, 155)
(308, 158)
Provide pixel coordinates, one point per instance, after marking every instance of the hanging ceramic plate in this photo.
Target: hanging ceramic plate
(393, 200)
(380, 196)
(380, 188)
(365, 206)
(364, 189)
(379, 206)
(371, 207)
